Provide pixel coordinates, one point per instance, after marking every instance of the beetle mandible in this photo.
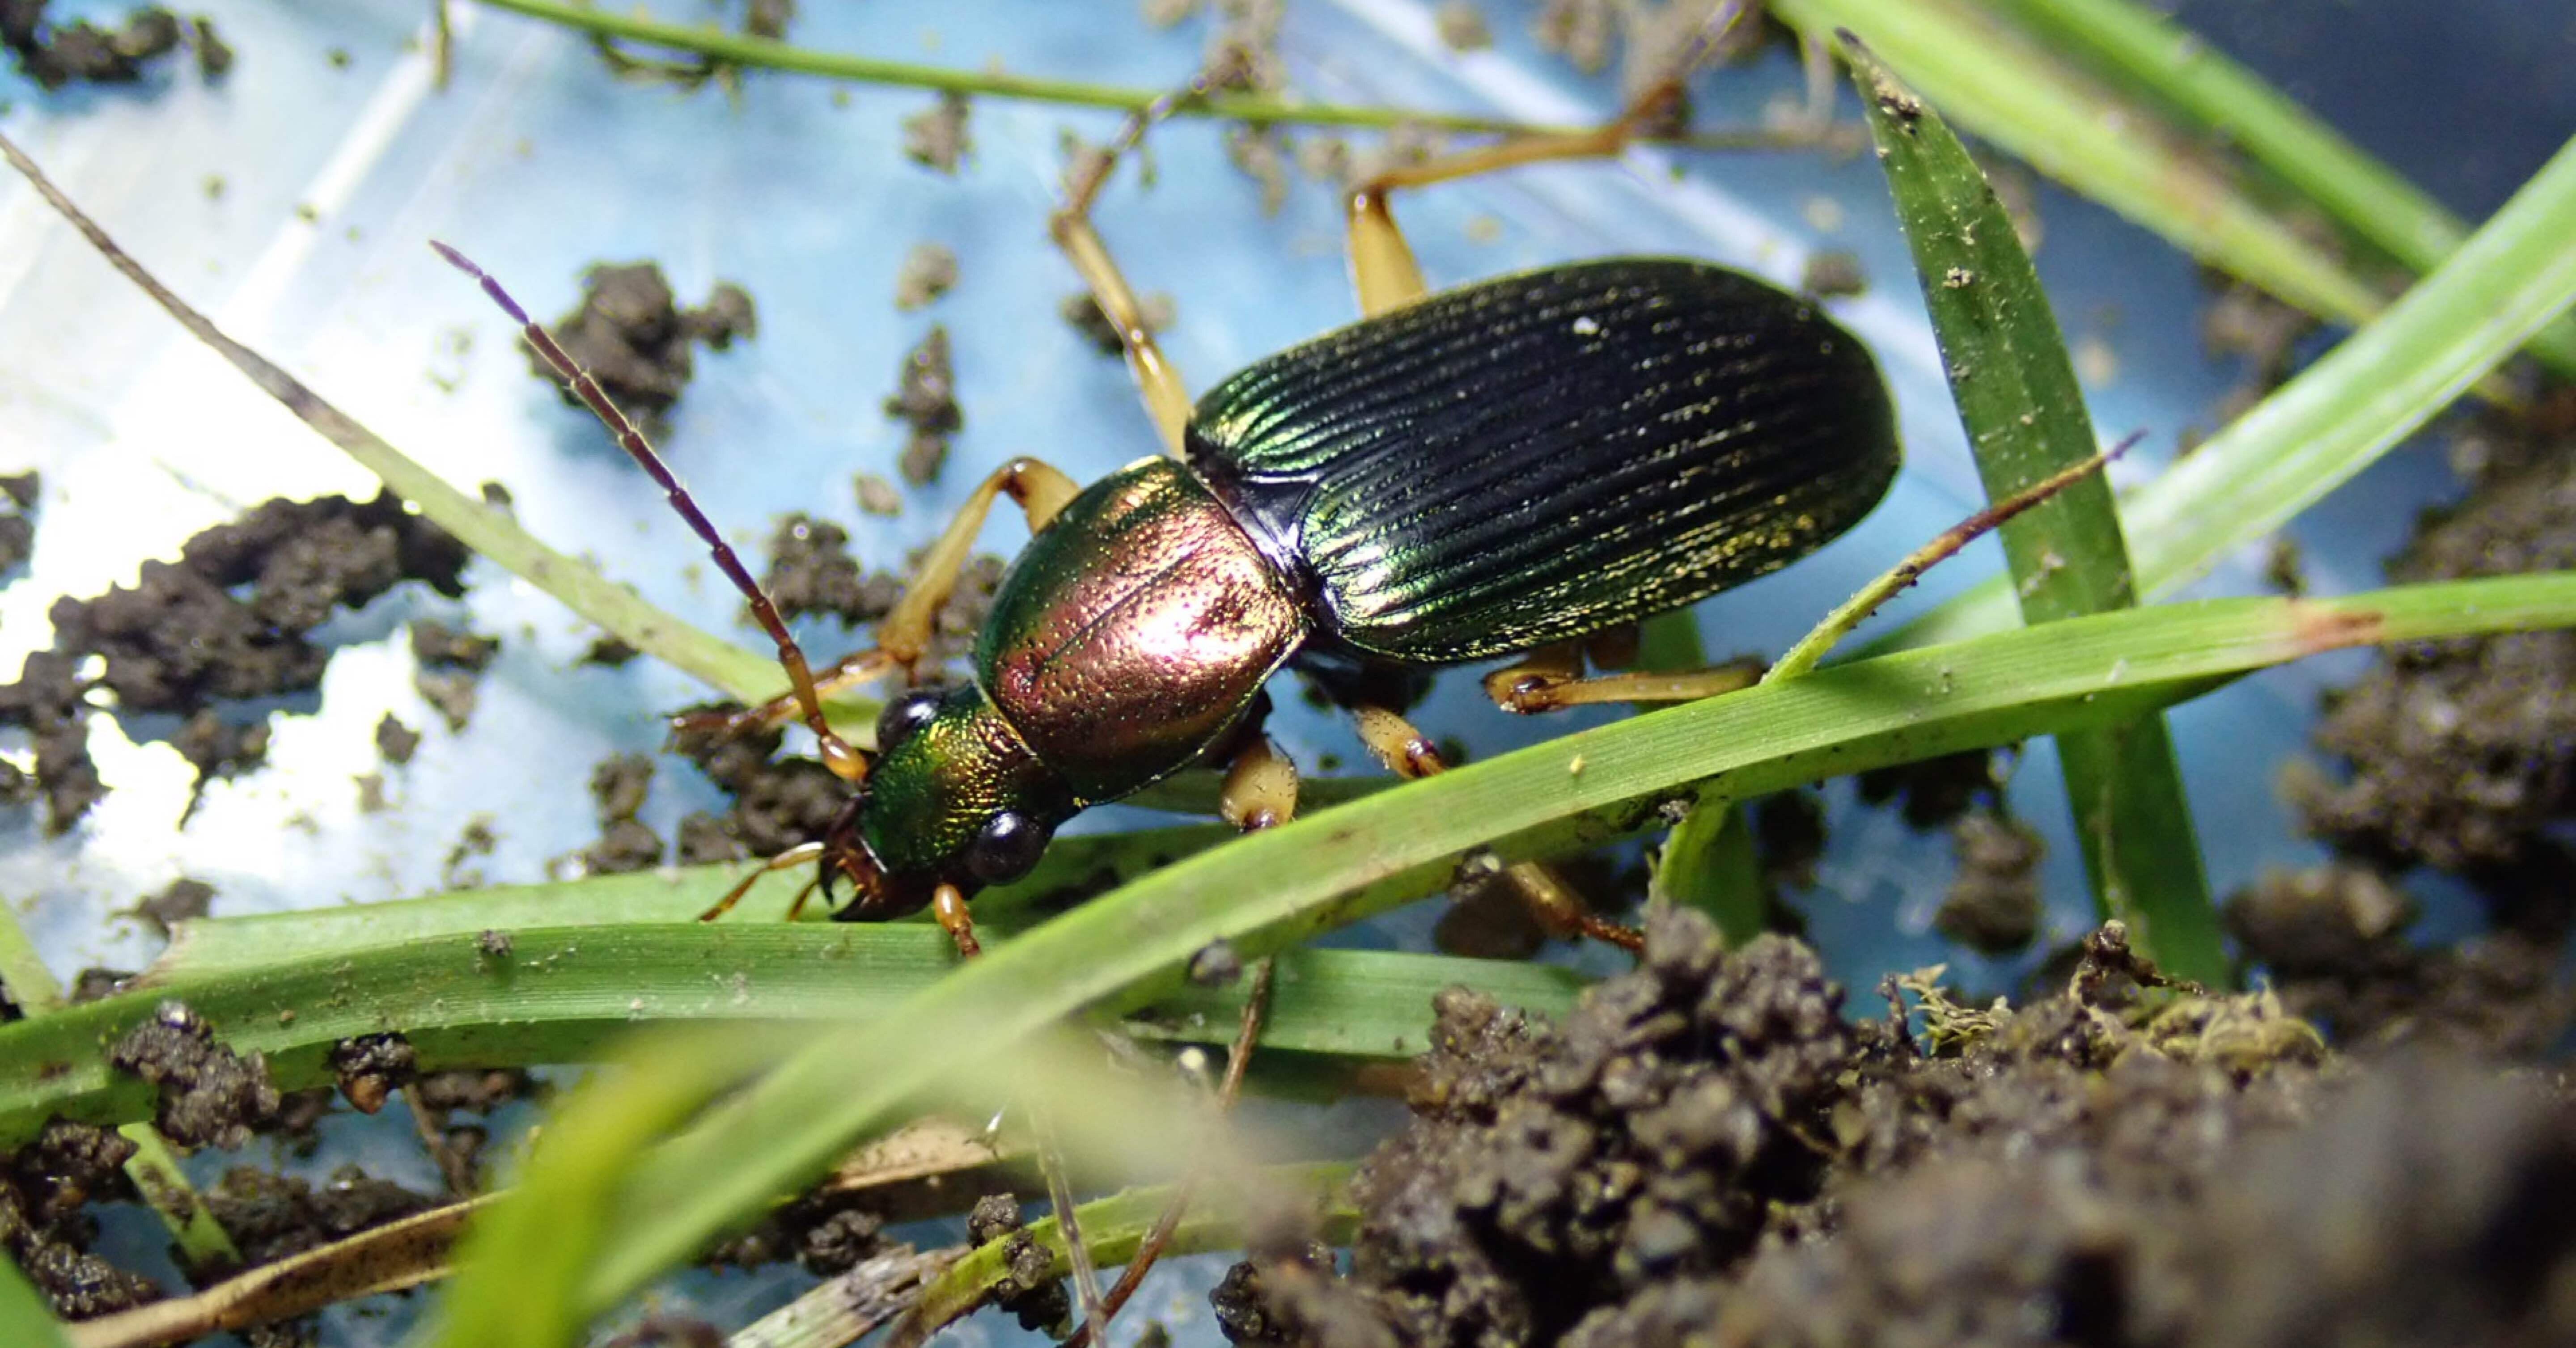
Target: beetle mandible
(1504, 468)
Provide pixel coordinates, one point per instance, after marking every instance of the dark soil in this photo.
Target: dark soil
(184, 901)
(938, 138)
(1994, 904)
(1708, 1152)
(2462, 754)
(371, 1067)
(396, 741)
(1036, 1299)
(928, 272)
(17, 520)
(271, 1216)
(1935, 791)
(1084, 314)
(925, 399)
(210, 1095)
(227, 621)
(631, 335)
(811, 571)
(618, 787)
(56, 54)
(824, 1232)
(43, 1226)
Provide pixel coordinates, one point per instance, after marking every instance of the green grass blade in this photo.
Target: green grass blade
(24, 1317)
(2339, 415)
(1707, 862)
(566, 994)
(1272, 889)
(2000, 85)
(2368, 198)
(2025, 420)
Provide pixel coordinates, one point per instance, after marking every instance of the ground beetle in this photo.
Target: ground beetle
(1510, 467)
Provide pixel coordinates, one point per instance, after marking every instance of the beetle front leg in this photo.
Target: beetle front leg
(1408, 753)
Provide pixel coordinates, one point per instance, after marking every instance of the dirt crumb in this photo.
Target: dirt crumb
(938, 138)
(476, 839)
(395, 741)
(272, 1216)
(184, 901)
(452, 693)
(474, 1090)
(220, 748)
(631, 335)
(210, 1096)
(928, 272)
(925, 399)
(371, 1067)
(1462, 26)
(610, 652)
(1935, 791)
(877, 496)
(705, 839)
(811, 571)
(1083, 313)
(44, 1188)
(1038, 1301)
(1994, 904)
(57, 54)
(226, 622)
(1833, 273)
(435, 645)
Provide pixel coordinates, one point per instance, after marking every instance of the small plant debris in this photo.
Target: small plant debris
(632, 336)
(925, 399)
(937, 138)
(210, 1096)
(877, 496)
(928, 272)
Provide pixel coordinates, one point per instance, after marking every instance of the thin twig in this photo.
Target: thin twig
(1839, 623)
(1256, 1004)
(737, 49)
(852, 1305)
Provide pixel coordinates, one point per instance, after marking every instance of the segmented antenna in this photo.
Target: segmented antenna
(844, 760)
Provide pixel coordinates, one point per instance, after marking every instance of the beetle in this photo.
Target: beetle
(1505, 468)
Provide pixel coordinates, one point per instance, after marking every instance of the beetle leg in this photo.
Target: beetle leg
(1407, 752)
(904, 634)
(1260, 789)
(793, 857)
(948, 905)
(1527, 687)
(1382, 264)
(1167, 399)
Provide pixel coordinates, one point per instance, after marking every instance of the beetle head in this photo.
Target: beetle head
(954, 797)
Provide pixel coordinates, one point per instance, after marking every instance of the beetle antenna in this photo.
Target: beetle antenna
(846, 761)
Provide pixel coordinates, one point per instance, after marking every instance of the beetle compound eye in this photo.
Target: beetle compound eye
(905, 716)
(1010, 844)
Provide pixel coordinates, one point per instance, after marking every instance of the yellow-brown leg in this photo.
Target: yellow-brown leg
(1260, 789)
(948, 905)
(1167, 399)
(1382, 264)
(1408, 753)
(904, 633)
(799, 855)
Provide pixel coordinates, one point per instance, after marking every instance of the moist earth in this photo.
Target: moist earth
(1707, 1151)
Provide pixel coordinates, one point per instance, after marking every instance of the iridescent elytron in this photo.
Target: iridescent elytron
(1486, 471)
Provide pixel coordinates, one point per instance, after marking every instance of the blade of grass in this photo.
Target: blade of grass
(1707, 862)
(2024, 415)
(720, 664)
(2369, 199)
(24, 1317)
(2002, 86)
(564, 994)
(743, 50)
(1274, 888)
(1113, 1227)
(514, 1264)
(2339, 415)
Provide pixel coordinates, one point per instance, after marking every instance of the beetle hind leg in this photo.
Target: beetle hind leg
(1382, 263)
(1560, 912)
